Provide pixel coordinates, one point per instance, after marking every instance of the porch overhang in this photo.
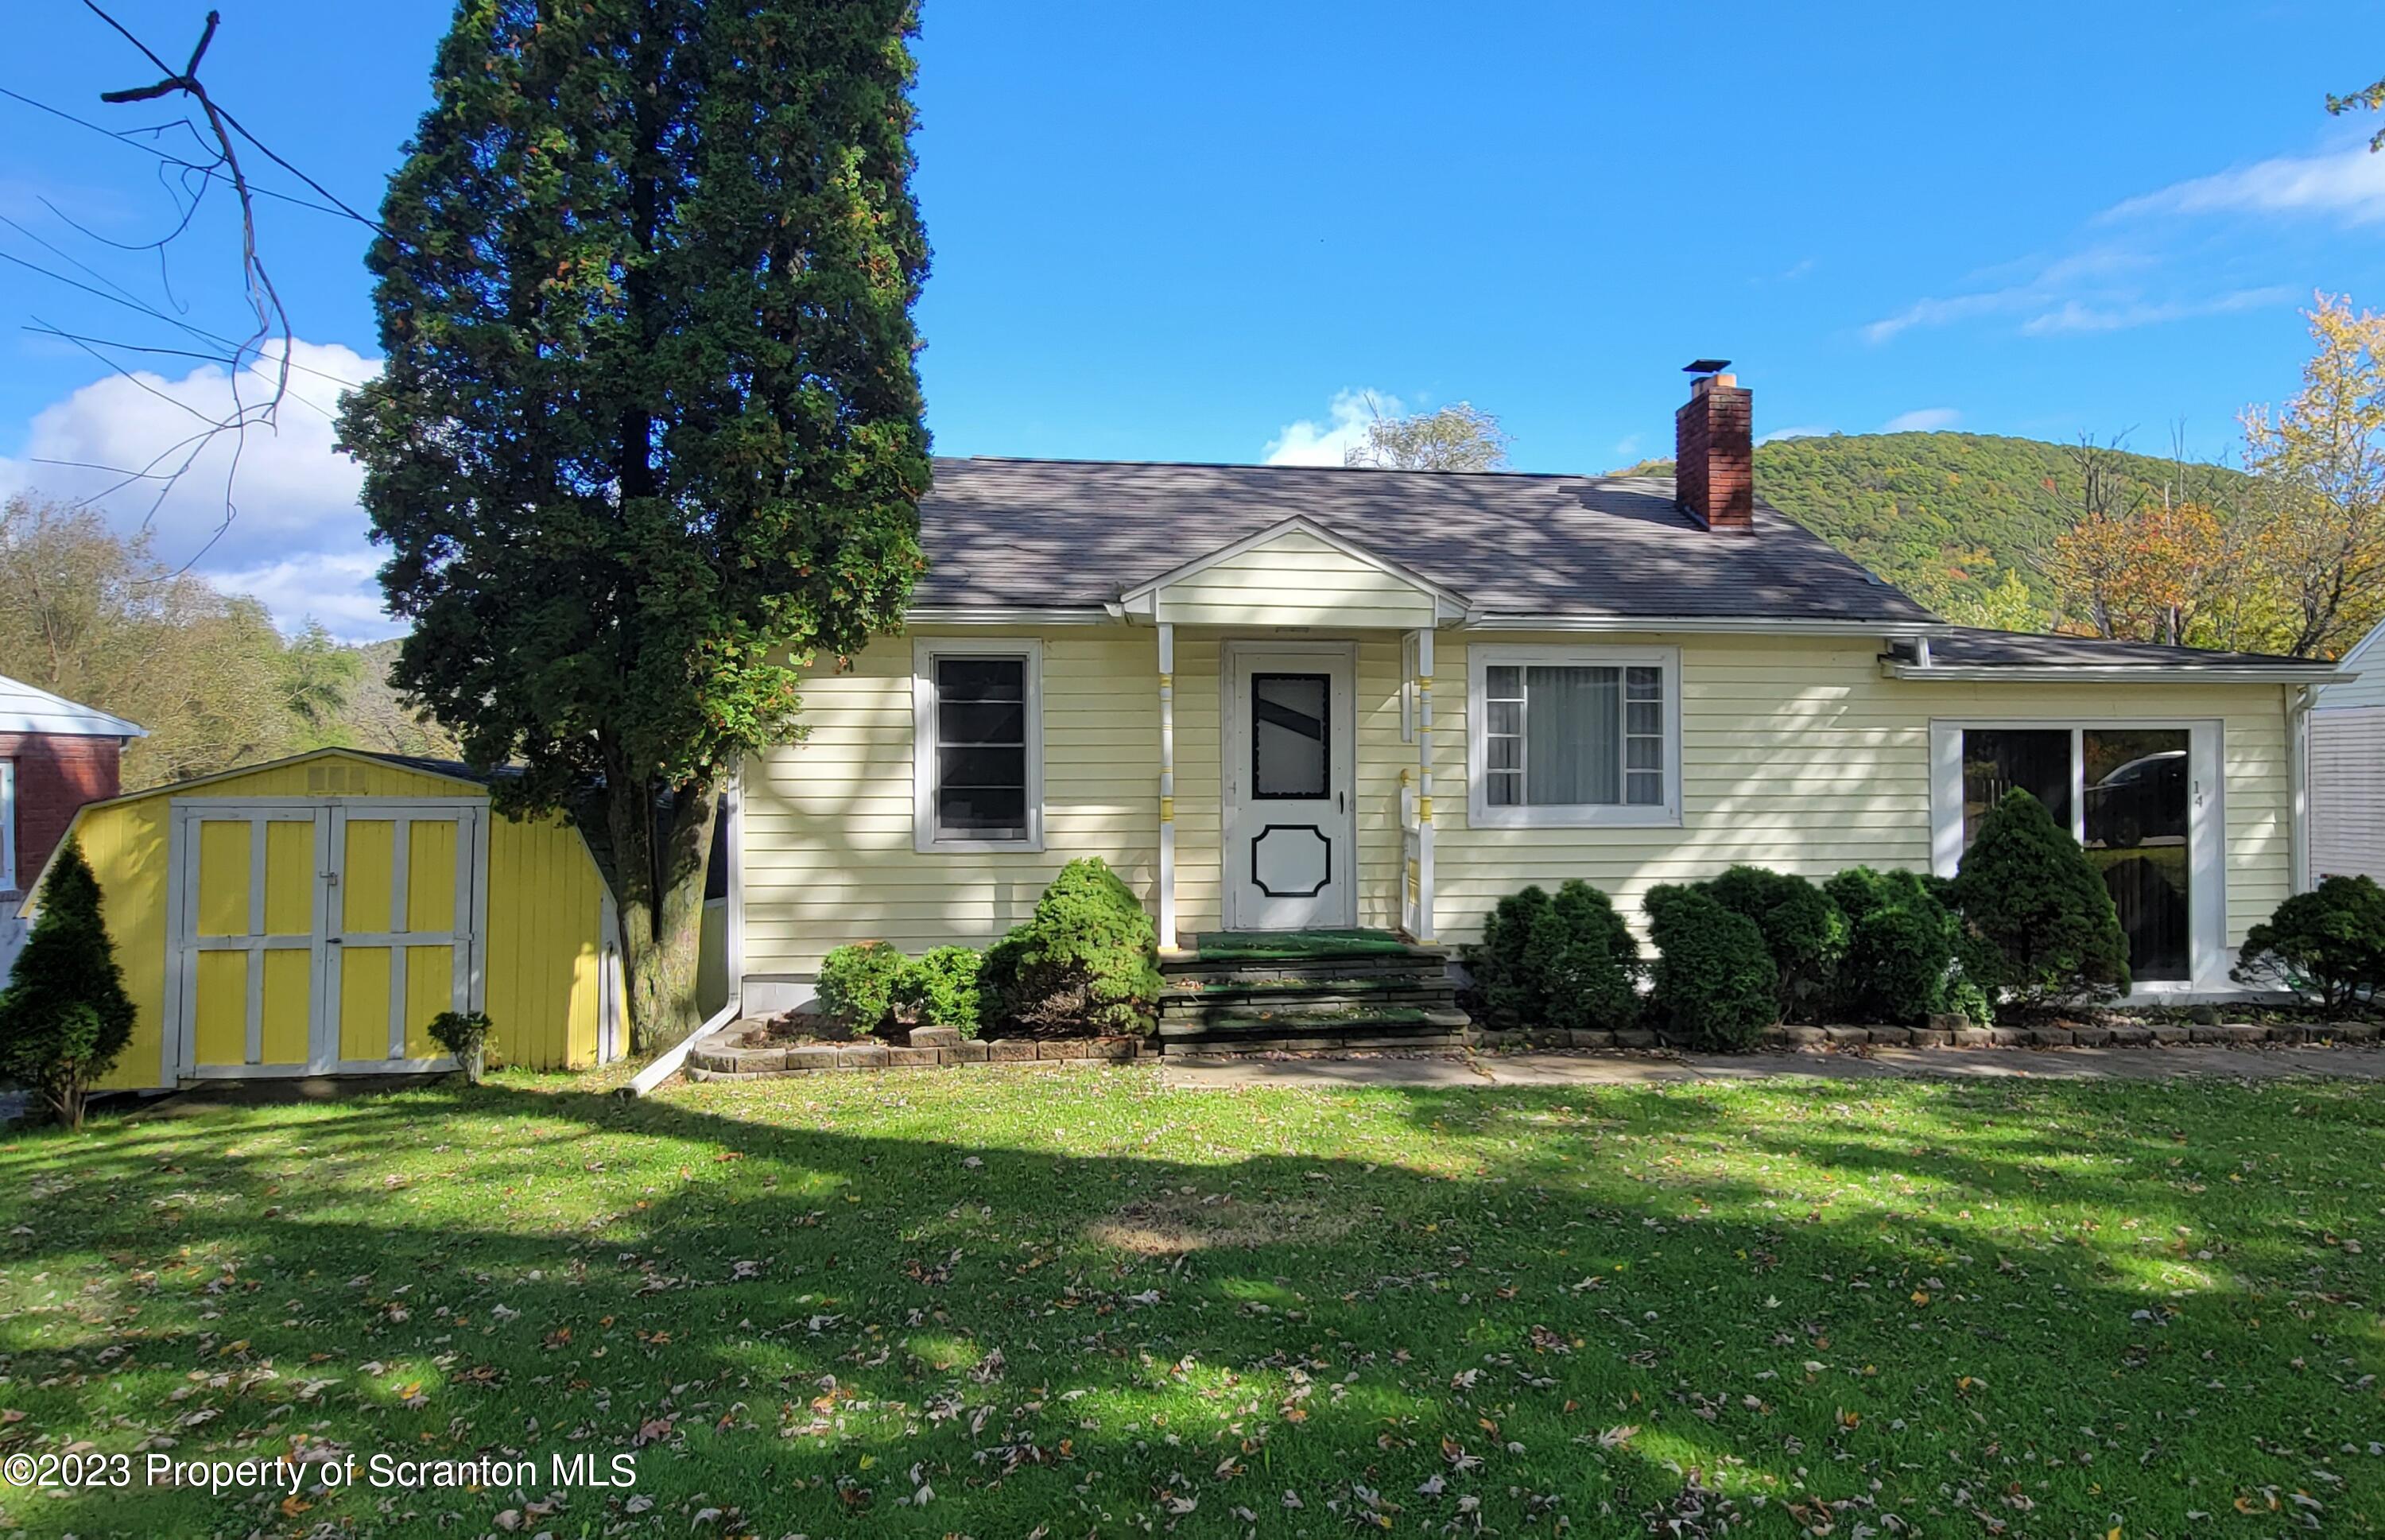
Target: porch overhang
(1294, 572)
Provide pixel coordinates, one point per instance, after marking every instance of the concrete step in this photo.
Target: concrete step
(1182, 974)
(1344, 999)
(1372, 1028)
(1251, 1047)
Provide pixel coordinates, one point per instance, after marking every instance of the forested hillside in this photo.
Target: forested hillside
(1946, 516)
(374, 718)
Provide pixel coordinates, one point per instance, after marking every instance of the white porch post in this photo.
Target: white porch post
(1424, 929)
(1166, 786)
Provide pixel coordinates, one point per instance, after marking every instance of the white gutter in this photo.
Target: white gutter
(1498, 620)
(1012, 615)
(2162, 674)
(667, 1063)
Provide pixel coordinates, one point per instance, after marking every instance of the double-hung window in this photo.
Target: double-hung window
(977, 743)
(7, 825)
(1574, 737)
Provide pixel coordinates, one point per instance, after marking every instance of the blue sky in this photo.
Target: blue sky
(1187, 232)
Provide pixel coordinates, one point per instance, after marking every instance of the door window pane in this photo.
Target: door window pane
(2134, 814)
(982, 749)
(2136, 802)
(1289, 756)
(1996, 760)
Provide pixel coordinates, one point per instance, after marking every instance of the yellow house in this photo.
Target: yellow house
(311, 915)
(1319, 698)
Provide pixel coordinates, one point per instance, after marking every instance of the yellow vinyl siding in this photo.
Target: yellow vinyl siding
(1798, 755)
(540, 952)
(1295, 579)
(1200, 869)
(828, 820)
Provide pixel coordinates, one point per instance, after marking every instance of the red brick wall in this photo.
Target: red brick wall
(55, 776)
(1714, 453)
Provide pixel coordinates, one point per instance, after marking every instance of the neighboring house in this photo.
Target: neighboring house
(1285, 698)
(54, 756)
(312, 915)
(2347, 768)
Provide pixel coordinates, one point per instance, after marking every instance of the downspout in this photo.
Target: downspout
(2298, 702)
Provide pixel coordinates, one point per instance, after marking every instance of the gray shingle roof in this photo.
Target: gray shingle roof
(1964, 646)
(1077, 532)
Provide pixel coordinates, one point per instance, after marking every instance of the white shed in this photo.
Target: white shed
(2347, 768)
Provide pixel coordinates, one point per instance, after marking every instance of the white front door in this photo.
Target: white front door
(1289, 821)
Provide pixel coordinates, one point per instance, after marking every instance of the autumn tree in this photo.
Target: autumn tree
(2368, 98)
(648, 440)
(1456, 437)
(99, 618)
(2319, 461)
(2010, 605)
(2138, 567)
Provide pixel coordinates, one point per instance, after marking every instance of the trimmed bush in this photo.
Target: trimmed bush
(2327, 946)
(1715, 977)
(1901, 959)
(1582, 963)
(65, 1018)
(1086, 961)
(940, 989)
(1568, 961)
(1510, 992)
(1901, 942)
(465, 1034)
(1802, 927)
(858, 985)
(2030, 892)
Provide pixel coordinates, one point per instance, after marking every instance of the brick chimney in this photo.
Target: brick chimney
(1714, 450)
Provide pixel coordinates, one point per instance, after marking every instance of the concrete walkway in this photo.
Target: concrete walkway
(1561, 1069)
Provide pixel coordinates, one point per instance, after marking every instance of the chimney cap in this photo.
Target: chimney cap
(1706, 366)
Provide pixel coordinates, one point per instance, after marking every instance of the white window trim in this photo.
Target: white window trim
(925, 650)
(2208, 955)
(1480, 658)
(7, 825)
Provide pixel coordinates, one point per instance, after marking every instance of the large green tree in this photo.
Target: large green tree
(648, 441)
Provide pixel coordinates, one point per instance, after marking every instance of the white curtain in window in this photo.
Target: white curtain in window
(1572, 747)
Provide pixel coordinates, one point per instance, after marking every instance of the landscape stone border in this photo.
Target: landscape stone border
(2112, 1035)
(724, 1054)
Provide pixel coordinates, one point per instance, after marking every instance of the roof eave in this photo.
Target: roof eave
(2134, 673)
(1014, 615)
(1826, 625)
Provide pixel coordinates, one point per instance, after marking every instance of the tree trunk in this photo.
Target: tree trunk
(660, 854)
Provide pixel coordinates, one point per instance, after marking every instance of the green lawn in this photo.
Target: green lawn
(1067, 1302)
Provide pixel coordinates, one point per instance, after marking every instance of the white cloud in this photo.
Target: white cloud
(1807, 429)
(2349, 183)
(2076, 315)
(295, 537)
(335, 587)
(1344, 428)
(1924, 420)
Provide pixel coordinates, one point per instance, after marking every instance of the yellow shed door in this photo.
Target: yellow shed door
(251, 901)
(402, 949)
(322, 937)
